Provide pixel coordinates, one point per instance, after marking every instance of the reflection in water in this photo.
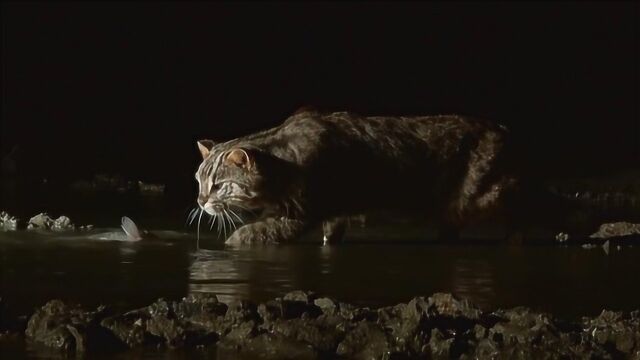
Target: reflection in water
(384, 274)
(220, 273)
(568, 281)
(473, 279)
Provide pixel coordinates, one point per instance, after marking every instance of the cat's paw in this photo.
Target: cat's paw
(251, 234)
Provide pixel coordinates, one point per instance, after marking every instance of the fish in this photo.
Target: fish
(130, 232)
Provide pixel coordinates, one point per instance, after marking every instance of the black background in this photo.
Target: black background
(129, 87)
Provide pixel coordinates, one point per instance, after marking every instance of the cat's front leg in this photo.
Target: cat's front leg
(268, 231)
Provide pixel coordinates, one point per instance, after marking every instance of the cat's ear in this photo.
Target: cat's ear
(205, 147)
(239, 157)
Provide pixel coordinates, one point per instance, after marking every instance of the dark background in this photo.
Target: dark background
(129, 87)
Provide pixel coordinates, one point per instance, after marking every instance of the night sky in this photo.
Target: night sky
(129, 87)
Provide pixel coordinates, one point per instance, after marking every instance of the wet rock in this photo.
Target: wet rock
(440, 344)
(287, 309)
(277, 346)
(523, 327)
(616, 229)
(241, 311)
(356, 314)
(442, 304)
(320, 334)
(365, 341)
(62, 223)
(8, 222)
(203, 310)
(68, 329)
(130, 329)
(615, 330)
(562, 237)
(43, 221)
(105, 182)
(150, 189)
(301, 326)
(326, 305)
(299, 295)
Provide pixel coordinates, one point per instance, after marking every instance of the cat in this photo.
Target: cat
(320, 167)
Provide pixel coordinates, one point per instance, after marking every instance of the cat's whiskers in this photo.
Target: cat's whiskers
(236, 215)
(213, 220)
(245, 209)
(198, 231)
(224, 226)
(192, 215)
(231, 222)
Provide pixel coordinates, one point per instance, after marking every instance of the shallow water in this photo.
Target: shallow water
(377, 267)
(568, 281)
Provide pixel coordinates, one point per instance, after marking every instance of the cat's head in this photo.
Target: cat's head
(229, 177)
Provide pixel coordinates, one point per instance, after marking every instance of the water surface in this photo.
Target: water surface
(568, 281)
(376, 266)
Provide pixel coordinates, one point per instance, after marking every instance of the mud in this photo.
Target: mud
(302, 325)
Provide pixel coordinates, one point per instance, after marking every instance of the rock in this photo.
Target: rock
(8, 222)
(303, 326)
(440, 345)
(615, 329)
(201, 309)
(323, 335)
(441, 304)
(299, 295)
(562, 237)
(327, 305)
(43, 221)
(68, 329)
(616, 229)
(150, 189)
(365, 341)
(62, 223)
(277, 346)
(130, 329)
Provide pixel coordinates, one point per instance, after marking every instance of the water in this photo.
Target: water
(377, 267)
(568, 281)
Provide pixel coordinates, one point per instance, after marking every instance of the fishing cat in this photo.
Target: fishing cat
(321, 167)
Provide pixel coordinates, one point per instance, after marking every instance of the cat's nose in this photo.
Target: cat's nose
(217, 206)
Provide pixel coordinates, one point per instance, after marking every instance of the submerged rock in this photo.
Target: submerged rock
(303, 326)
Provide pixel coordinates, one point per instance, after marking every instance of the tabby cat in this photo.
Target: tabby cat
(322, 167)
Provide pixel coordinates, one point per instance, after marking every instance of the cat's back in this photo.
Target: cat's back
(443, 132)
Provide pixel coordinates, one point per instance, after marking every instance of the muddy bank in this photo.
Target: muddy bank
(304, 325)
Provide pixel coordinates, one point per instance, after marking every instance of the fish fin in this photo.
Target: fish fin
(130, 228)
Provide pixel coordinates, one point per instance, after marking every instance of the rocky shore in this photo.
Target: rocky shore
(303, 325)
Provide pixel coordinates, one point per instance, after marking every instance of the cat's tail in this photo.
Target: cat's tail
(130, 228)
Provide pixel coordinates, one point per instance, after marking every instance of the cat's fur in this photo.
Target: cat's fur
(318, 167)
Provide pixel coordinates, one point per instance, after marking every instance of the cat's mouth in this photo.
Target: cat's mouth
(214, 208)
(235, 204)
